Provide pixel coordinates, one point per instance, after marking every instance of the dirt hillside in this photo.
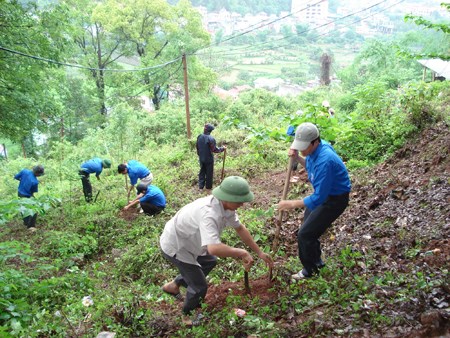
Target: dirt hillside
(400, 212)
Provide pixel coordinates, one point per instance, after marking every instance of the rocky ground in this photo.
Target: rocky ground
(400, 213)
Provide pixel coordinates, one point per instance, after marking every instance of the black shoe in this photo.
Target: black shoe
(320, 265)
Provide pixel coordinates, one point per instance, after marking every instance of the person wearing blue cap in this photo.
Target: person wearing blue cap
(92, 166)
(206, 147)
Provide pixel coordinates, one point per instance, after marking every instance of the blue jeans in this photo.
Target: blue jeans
(315, 223)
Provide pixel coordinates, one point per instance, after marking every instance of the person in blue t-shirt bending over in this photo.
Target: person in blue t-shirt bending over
(27, 187)
(150, 197)
(92, 166)
(135, 171)
(331, 183)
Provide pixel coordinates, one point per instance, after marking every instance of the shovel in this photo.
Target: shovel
(280, 215)
(95, 199)
(223, 164)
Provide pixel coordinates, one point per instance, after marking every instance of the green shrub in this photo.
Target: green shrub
(60, 244)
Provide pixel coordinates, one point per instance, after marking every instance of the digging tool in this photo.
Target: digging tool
(247, 284)
(223, 164)
(280, 215)
(128, 190)
(95, 199)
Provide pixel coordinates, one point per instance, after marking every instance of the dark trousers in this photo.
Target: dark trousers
(87, 186)
(29, 221)
(205, 176)
(151, 209)
(315, 223)
(193, 277)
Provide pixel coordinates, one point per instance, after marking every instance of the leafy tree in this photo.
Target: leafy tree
(26, 99)
(98, 48)
(156, 33)
(379, 60)
(434, 50)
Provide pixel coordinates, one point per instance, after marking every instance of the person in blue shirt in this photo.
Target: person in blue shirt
(206, 146)
(331, 183)
(27, 187)
(150, 197)
(135, 171)
(93, 166)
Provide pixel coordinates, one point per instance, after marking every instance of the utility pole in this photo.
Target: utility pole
(186, 97)
(325, 61)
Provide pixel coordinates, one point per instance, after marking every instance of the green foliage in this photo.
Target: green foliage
(25, 207)
(66, 244)
(140, 260)
(25, 101)
(438, 50)
(377, 108)
(419, 102)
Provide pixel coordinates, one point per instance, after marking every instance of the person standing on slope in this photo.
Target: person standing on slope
(206, 147)
(331, 182)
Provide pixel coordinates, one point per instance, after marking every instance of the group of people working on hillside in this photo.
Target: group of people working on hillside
(151, 199)
(191, 239)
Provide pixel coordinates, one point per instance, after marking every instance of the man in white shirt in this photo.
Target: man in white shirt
(191, 241)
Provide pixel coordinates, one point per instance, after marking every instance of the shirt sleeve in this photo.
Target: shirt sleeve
(213, 147)
(209, 231)
(322, 185)
(18, 176)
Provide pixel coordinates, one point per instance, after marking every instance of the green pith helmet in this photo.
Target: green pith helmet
(106, 164)
(233, 189)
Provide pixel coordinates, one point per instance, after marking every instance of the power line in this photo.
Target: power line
(267, 24)
(250, 49)
(88, 68)
(324, 34)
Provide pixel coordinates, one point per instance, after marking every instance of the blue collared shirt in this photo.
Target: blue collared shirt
(28, 183)
(327, 173)
(155, 196)
(136, 170)
(93, 166)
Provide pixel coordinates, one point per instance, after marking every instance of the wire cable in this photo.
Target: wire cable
(247, 49)
(87, 68)
(324, 34)
(267, 24)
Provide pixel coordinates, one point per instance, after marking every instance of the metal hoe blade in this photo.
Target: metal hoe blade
(247, 284)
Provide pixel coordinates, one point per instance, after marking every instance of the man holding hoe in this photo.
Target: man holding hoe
(206, 147)
(93, 166)
(191, 241)
(135, 171)
(331, 183)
